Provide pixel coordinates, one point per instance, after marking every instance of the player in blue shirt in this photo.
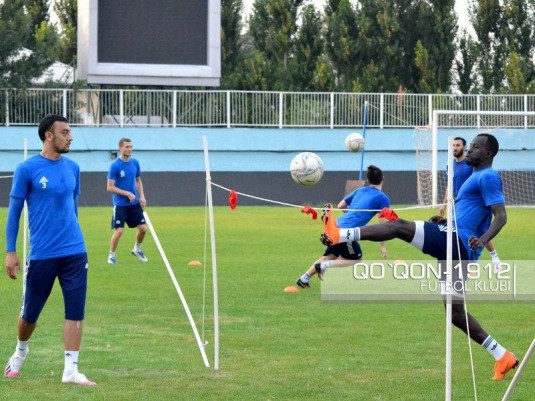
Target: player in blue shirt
(461, 171)
(479, 199)
(363, 203)
(50, 185)
(124, 182)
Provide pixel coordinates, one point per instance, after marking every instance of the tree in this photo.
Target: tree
(67, 12)
(272, 27)
(20, 28)
(308, 48)
(342, 36)
(231, 43)
(466, 64)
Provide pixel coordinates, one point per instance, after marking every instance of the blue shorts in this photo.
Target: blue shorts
(431, 239)
(131, 214)
(71, 272)
(346, 250)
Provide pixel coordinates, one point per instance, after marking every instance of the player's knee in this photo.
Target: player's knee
(142, 228)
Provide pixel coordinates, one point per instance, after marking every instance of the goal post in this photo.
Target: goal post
(515, 131)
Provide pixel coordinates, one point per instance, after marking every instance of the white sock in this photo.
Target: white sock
(305, 278)
(494, 347)
(112, 254)
(137, 247)
(494, 256)
(22, 347)
(325, 265)
(71, 362)
(349, 234)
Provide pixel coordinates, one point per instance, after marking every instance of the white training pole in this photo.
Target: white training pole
(214, 260)
(449, 268)
(178, 290)
(25, 230)
(519, 371)
(434, 160)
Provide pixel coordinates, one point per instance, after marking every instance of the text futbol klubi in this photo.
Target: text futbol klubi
(428, 280)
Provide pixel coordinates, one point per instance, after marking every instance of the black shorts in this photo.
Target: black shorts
(346, 250)
(131, 215)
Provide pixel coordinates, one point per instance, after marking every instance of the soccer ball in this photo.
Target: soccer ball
(354, 142)
(306, 168)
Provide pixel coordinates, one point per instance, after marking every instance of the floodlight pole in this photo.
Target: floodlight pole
(214, 260)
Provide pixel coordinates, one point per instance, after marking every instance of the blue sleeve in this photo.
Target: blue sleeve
(491, 188)
(138, 169)
(12, 226)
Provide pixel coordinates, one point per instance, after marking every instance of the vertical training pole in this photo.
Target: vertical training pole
(449, 269)
(364, 124)
(214, 260)
(25, 229)
(519, 371)
(434, 160)
(178, 290)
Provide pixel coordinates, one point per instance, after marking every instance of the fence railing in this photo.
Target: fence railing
(218, 108)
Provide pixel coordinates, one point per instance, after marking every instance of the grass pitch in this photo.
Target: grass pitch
(138, 344)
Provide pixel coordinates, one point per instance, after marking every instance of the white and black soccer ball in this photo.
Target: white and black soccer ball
(354, 142)
(307, 168)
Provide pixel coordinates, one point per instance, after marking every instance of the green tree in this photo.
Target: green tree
(429, 48)
(231, 43)
(67, 12)
(466, 63)
(308, 48)
(488, 22)
(342, 36)
(272, 27)
(20, 28)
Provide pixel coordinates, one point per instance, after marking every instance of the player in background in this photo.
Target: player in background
(479, 200)
(124, 182)
(50, 185)
(461, 172)
(368, 198)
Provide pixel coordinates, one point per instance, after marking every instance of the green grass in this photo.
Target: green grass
(138, 344)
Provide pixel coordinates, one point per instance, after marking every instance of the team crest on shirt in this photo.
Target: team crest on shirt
(122, 174)
(43, 182)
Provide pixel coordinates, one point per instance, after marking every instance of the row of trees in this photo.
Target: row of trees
(349, 46)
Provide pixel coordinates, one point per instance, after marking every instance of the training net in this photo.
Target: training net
(515, 132)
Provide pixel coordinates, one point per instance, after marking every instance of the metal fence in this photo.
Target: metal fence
(218, 108)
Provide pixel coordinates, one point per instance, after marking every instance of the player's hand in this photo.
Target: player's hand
(442, 210)
(12, 265)
(131, 197)
(475, 243)
(143, 202)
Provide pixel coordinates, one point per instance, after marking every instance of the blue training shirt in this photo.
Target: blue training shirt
(473, 205)
(125, 174)
(461, 172)
(365, 198)
(51, 189)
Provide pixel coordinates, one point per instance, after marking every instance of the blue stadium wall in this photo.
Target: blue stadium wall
(251, 161)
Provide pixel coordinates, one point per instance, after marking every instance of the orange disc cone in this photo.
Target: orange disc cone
(291, 288)
(194, 263)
